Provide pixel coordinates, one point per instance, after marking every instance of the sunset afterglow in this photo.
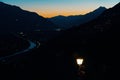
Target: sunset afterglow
(50, 8)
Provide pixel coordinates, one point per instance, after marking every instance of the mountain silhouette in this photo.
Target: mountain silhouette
(108, 20)
(69, 21)
(97, 41)
(13, 18)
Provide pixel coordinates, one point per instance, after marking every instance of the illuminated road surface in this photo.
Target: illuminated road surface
(32, 46)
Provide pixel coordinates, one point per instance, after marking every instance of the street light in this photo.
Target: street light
(81, 72)
(79, 61)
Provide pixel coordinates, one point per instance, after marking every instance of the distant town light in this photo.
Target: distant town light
(21, 33)
(79, 61)
(58, 29)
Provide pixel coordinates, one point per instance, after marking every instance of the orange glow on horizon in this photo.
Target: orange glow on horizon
(49, 14)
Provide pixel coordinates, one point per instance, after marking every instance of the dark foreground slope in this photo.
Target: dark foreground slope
(95, 41)
(98, 41)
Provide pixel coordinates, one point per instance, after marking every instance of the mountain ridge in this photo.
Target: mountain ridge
(75, 20)
(13, 18)
(97, 41)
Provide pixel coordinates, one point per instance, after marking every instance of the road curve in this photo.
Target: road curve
(32, 46)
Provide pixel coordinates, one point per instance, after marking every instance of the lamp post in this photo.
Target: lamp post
(80, 63)
(81, 72)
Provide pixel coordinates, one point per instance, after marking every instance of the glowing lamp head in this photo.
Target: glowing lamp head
(79, 61)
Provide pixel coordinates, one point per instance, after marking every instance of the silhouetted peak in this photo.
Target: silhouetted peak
(5, 5)
(16, 17)
(59, 17)
(114, 11)
(117, 5)
(1, 3)
(101, 8)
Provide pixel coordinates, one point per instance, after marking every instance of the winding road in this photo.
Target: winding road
(32, 46)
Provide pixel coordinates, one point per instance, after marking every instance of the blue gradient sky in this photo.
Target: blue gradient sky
(49, 8)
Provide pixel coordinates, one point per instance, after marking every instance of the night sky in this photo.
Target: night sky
(50, 8)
